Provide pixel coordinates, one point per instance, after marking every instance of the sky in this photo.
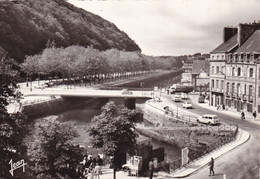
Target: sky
(174, 27)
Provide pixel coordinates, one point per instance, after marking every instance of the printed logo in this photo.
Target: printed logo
(16, 165)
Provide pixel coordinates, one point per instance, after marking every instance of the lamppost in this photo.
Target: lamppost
(177, 110)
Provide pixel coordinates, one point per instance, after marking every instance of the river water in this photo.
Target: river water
(81, 117)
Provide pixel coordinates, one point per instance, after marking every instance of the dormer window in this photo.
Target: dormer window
(242, 56)
(236, 56)
(256, 56)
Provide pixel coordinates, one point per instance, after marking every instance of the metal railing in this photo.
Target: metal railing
(175, 165)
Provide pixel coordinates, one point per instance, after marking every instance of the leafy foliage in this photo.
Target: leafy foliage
(114, 131)
(12, 126)
(27, 26)
(78, 61)
(53, 152)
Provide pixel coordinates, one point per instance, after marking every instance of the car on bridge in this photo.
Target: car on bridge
(210, 119)
(42, 86)
(126, 91)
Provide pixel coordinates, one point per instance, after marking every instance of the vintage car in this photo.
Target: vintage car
(210, 119)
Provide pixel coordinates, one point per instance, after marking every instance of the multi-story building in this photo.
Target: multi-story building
(235, 69)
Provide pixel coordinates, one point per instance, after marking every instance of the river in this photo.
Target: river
(81, 117)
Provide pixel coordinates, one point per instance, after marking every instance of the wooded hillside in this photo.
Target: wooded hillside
(28, 26)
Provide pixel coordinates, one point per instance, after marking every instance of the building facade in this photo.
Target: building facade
(200, 75)
(235, 71)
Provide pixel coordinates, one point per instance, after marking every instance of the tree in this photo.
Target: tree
(12, 126)
(114, 132)
(53, 152)
(30, 66)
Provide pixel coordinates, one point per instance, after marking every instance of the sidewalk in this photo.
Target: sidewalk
(242, 137)
(249, 117)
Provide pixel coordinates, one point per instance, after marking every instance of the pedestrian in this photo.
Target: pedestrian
(97, 171)
(151, 169)
(242, 115)
(211, 167)
(84, 161)
(254, 114)
(223, 107)
(100, 163)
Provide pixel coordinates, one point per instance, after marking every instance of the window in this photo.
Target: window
(212, 70)
(251, 72)
(222, 84)
(242, 56)
(258, 91)
(212, 84)
(245, 90)
(239, 71)
(233, 88)
(227, 87)
(217, 85)
(233, 71)
(223, 69)
(222, 57)
(217, 69)
(212, 57)
(238, 89)
(248, 56)
(250, 90)
(259, 73)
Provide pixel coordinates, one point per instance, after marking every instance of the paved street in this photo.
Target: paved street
(242, 162)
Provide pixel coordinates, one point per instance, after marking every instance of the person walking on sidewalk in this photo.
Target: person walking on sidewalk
(151, 168)
(242, 115)
(211, 167)
(254, 114)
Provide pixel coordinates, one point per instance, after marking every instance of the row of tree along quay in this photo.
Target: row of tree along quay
(77, 63)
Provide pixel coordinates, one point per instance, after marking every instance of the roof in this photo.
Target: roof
(199, 65)
(227, 46)
(252, 44)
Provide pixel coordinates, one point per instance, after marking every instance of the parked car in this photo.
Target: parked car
(187, 105)
(176, 98)
(126, 91)
(201, 99)
(210, 119)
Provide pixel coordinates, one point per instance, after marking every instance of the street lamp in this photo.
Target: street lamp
(177, 110)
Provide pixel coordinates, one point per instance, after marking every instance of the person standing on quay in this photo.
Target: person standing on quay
(151, 168)
(254, 114)
(211, 167)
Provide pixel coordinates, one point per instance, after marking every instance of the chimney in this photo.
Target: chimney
(228, 32)
(246, 30)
